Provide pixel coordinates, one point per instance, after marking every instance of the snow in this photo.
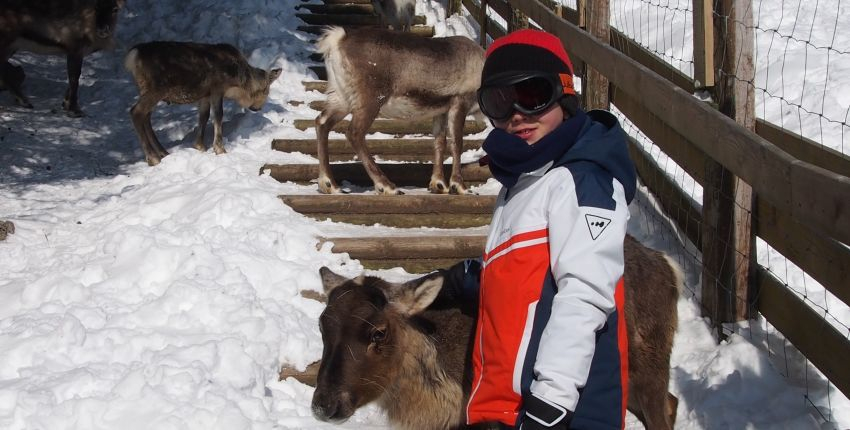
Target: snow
(167, 297)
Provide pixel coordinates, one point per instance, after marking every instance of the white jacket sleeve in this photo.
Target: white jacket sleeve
(586, 250)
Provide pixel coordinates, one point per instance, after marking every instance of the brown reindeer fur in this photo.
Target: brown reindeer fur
(397, 75)
(185, 72)
(417, 367)
(74, 28)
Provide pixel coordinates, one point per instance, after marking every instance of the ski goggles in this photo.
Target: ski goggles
(528, 93)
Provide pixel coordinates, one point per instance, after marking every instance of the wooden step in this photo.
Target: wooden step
(403, 175)
(381, 147)
(394, 126)
(428, 210)
(346, 8)
(416, 254)
(329, 2)
(419, 30)
(320, 86)
(349, 20)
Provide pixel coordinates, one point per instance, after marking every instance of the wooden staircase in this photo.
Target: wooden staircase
(454, 225)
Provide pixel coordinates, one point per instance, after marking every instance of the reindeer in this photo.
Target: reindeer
(185, 72)
(395, 345)
(398, 75)
(74, 28)
(398, 13)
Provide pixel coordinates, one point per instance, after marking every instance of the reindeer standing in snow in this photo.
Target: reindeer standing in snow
(397, 75)
(183, 73)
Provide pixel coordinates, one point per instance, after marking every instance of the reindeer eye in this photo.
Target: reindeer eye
(378, 335)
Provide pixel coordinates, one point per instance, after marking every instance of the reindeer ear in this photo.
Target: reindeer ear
(273, 74)
(331, 280)
(415, 296)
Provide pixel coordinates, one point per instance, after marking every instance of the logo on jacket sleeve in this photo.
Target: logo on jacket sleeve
(596, 224)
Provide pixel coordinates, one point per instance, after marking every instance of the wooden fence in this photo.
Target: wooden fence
(800, 191)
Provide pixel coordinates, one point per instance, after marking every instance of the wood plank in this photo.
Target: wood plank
(806, 329)
(804, 149)
(419, 265)
(419, 30)
(703, 44)
(822, 258)
(329, 2)
(378, 204)
(494, 29)
(403, 175)
(320, 86)
(761, 164)
(345, 8)
(637, 52)
(393, 126)
(408, 247)
(349, 19)
(408, 220)
(382, 147)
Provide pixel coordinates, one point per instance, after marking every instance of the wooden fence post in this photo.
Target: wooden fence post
(596, 95)
(483, 21)
(703, 44)
(728, 241)
(518, 20)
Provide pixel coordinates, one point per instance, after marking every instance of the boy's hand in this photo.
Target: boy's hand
(542, 415)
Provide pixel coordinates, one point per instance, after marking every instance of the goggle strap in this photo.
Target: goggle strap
(567, 83)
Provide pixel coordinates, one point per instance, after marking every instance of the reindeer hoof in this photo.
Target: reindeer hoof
(200, 147)
(219, 150)
(458, 189)
(388, 191)
(438, 187)
(328, 187)
(75, 113)
(152, 161)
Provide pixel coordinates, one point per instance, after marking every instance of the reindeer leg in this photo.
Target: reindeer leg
(324, 123)
(218, 114)
(203, 117)
(361, 120)
(438, 180)
(140, 114)
(650, 403)
(457, 119)
(12, 79)
(75, 67)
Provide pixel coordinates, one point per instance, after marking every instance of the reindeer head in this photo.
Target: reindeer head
(106, 16)
(363, 327)
(253, 95)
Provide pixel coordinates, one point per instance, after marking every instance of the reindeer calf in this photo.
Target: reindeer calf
(183, 73)
(74, 28)
(391, 343)
(398, 75)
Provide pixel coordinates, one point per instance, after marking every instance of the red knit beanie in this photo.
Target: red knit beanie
(526, 51)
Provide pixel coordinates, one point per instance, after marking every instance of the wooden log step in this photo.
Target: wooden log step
(413, 265)
(329, 2)
(378, 204)
(381, 147)
(350, 20)
(393, 126)
(343, 8)
(409, 247)
(429, 210)
(419, 30)
(320, 86)
(403, 175)
(409, 220)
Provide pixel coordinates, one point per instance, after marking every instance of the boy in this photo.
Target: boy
(550, 346)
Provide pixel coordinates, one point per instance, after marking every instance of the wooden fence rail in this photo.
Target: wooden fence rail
(783, 169)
